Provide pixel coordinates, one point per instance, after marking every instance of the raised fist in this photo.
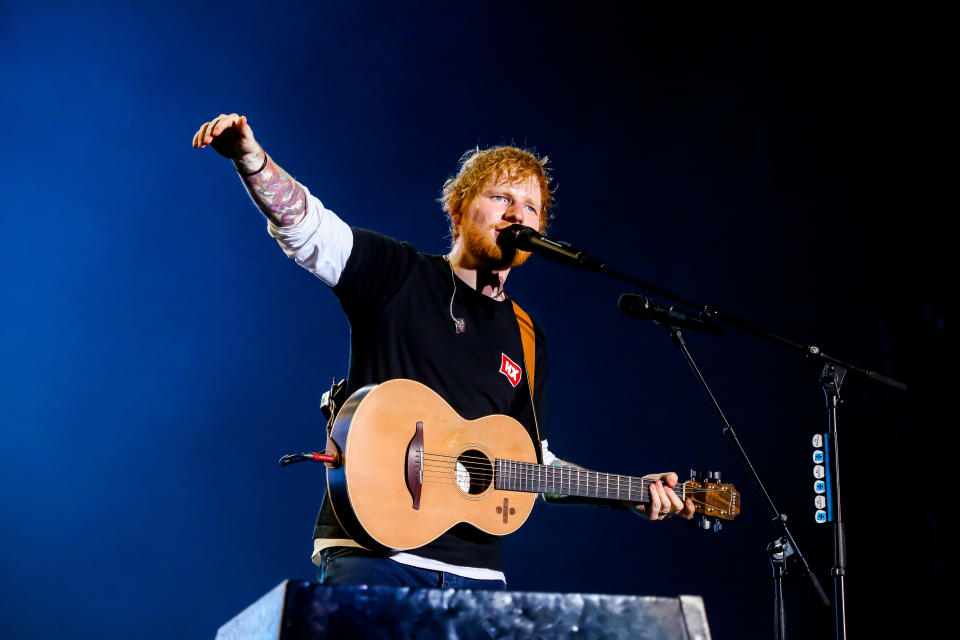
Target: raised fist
(231, 137)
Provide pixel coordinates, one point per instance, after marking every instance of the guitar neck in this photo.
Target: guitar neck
(529, 477)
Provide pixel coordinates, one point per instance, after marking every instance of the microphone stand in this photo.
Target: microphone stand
(830, 379)
(834, 368)
(784, 547)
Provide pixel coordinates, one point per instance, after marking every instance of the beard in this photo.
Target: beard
(487, 253)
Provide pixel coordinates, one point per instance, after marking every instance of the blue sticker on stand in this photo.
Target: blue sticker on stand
(826, 464)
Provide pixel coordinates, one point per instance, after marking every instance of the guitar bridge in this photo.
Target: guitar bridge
(415, 465)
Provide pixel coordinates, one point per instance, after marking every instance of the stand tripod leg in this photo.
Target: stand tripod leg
(840, 603)
(779, 552)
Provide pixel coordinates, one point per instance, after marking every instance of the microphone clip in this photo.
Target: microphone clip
(638, 306)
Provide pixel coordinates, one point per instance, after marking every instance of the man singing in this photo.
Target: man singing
(444, 321)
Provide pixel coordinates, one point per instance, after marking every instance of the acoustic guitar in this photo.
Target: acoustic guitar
(408, 468)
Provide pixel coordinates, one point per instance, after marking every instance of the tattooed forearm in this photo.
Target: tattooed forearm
(558, 498)
(277, 195)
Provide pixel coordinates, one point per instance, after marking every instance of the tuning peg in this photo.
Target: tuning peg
(713, 476)
(700, 476)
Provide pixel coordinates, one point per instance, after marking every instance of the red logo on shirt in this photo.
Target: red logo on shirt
(510, 369)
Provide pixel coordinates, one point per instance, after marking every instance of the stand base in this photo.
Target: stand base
(296, 610)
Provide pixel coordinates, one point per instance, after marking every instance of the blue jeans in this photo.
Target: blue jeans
(352, 566)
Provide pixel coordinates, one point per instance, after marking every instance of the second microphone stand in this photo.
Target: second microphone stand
(785, 547)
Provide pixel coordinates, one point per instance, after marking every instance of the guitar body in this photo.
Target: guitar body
(411, 468)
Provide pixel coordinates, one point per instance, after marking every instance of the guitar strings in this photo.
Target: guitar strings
(540, 473)
(566, 478)
(449, 474)
(481, 463)
(440, 468)
(445, 479)
(515, 468)
(566, 475)
(537, 470)
(588, 478)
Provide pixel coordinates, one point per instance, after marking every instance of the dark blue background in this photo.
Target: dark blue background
(159, 353)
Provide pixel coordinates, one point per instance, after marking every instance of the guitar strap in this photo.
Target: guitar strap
(529, 339)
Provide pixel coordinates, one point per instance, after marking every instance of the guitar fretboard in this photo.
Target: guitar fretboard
(529, 477)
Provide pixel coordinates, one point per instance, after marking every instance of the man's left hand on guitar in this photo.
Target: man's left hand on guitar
(664, 502)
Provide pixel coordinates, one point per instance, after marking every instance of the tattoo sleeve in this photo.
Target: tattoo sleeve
(276, 194)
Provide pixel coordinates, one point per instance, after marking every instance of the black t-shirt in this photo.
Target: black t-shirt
(398, 305)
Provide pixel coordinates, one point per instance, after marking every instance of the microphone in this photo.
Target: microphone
(637, 306)
(518, 236)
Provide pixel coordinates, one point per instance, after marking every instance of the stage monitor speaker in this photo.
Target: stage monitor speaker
(298, 610)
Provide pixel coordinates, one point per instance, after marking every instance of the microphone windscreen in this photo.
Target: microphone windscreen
(516, 236)
(633, 305)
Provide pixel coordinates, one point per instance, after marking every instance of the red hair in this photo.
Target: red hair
(478, 166)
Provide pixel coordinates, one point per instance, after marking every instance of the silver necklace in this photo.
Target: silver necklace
(458, 323)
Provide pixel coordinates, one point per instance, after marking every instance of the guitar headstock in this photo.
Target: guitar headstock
(712, 499)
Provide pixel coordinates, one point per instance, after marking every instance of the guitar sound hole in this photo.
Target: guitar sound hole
(474, 472)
